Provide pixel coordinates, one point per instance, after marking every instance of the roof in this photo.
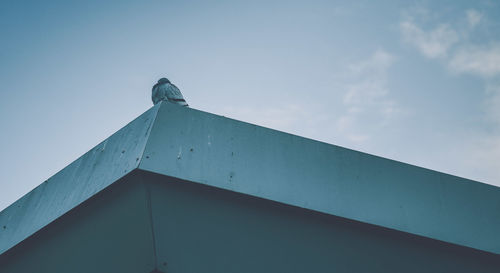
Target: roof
(213, 150)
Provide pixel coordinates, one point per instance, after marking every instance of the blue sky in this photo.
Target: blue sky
(417, 81)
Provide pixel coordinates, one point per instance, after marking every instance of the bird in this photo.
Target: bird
(164, 90)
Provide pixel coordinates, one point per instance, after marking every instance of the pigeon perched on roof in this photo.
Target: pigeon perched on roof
(165, 90)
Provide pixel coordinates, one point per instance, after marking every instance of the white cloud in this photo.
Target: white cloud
(432, 44)
(365, 106)
(492, 105)
(473, 17)
(378, 63)
(366, 99)
(465, 58)
(371, 77)
(479, 60)
(486, 153)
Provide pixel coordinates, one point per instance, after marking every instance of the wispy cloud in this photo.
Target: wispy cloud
(479, 60)
(473, 17)
(367, 97)
(372, 76)
(365, 106)
(492, 104)
(450, 44)
(485, 154)
(434, 43)
(445, 42)
(437, 41)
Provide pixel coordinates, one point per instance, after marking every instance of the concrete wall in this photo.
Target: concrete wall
(180, 190)
(203, 229)
(146, 222)
(108, 233)
(212, 150)
(91, 173)
(208, 149)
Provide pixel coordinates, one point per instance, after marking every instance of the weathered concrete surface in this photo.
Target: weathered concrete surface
(88, 175)
(213, 150)
(200, 228)
(147, 222)
(208, 149)
(108, 233)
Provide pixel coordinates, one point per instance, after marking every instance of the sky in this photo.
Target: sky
(413, 81)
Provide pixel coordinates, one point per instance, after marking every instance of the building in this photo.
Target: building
(181, 190)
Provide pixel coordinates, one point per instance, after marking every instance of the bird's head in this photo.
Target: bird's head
(163, 80)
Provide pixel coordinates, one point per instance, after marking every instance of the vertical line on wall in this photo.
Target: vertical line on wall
(151, 222)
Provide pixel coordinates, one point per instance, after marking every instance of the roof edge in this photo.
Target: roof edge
(209, 149)
(77, 182)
